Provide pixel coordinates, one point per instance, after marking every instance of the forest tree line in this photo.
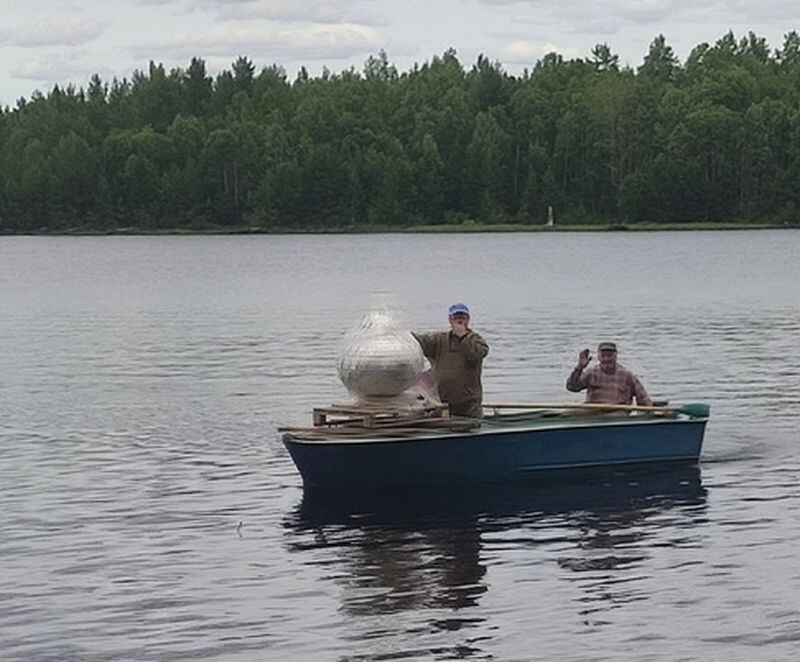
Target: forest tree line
(714, 138)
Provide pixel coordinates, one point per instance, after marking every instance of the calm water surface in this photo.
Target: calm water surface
(149, 511)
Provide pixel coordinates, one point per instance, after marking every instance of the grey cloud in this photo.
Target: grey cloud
(48, 68)
(584, 12)
(68, 32)
(316, 11)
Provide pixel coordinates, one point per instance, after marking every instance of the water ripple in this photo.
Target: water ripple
(150, 511)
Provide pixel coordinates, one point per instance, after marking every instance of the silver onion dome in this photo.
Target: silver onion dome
(378, 357)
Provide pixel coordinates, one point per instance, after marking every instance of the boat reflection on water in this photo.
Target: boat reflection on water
(554, 492)
(428, 549)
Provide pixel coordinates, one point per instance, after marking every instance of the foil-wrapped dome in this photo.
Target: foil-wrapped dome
(379, 358)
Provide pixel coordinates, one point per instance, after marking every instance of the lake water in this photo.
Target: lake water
(150, 512)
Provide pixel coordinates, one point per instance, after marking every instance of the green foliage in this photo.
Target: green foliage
(717, 137)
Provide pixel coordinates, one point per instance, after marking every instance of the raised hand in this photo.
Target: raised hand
(584, 358)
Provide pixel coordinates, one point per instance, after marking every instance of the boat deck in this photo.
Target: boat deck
(496, 424)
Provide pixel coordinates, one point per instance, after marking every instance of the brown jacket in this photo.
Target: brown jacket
(456, 364)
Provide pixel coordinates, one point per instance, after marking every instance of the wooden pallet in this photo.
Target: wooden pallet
(401, 429)
(377, 416)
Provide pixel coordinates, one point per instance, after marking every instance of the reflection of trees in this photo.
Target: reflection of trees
(434, 568)
(422, 551)
(394, 562)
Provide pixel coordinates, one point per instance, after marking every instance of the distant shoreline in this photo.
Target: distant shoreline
(463, 228)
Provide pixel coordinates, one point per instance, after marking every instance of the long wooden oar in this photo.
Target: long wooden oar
(696, 409)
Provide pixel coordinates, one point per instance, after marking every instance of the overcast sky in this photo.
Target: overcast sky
(43, 42)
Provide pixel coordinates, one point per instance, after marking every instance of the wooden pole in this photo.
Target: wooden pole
(697, 410)
(576, 405)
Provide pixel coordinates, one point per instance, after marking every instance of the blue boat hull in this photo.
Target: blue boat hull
(495, 453)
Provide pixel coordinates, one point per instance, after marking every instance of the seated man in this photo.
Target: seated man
(607, 382)
(456, 358)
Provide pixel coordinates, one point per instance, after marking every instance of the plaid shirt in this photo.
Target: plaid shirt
(618, 388)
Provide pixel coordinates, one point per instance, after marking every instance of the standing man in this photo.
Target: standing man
(607, 382)
(456, 358)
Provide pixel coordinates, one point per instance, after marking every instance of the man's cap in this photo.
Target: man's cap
(610, 346)
(458, 308)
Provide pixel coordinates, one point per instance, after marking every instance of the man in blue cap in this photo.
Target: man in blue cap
(456, 358)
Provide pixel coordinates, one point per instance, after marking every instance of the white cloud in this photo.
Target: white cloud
(528, 52)
(272, 40)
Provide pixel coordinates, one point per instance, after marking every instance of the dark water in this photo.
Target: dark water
(149, 512)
